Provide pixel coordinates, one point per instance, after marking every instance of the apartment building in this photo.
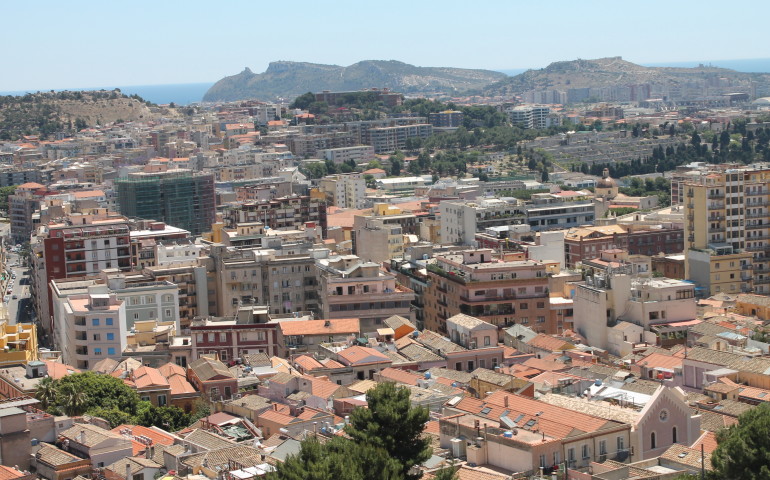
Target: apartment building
(617, 311)
(178, 197)
(353, 288)
(284, 279)
(446, 119)
(727, 228)
(533, 116)
(90, 327)
(498, 291)
(460, 220)
(22, 204)
(347, 190)
(195, 279)
(390, 139)
(290, 212)
(75, 246)
(359, 154)
(548, 211)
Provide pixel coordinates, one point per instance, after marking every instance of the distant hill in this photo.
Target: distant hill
(611, 71)
(291, 79)
(44, 113)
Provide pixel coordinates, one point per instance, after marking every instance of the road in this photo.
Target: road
(19, 308)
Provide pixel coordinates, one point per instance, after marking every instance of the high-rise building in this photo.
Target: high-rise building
(727, 228)
(178, 197)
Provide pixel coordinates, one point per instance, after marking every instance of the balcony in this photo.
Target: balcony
(757, 226)
(80, 322)
(747, 267)
(81, 351)
(716, 218)
(82, 336)
(761, 281)
(751, 193)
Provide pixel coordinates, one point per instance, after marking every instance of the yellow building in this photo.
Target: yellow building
(18, 343)
(727, 228)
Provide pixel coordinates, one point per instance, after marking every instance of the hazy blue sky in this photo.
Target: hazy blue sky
(69, 44)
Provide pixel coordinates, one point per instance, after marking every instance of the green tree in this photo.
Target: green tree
(395, 166)
(743, 451)
(113, 416)
(391, 423)
(5, 192)
(46, 392)
(303, 101)
(373, 164)
(74, 402)
(446, 473)
(102, 391)
(168, 417)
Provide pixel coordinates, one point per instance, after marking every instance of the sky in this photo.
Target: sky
(76, 44)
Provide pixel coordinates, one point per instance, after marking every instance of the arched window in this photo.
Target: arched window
(652, 440)
(673, 434)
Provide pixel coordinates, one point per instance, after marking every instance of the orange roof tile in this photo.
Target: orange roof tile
(708, 440)
(319, 327)
(180, 386)
(399, 376)
(362, 356)
(308, 363)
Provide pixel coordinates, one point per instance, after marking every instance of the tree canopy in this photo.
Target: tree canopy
(744, 451)
(384, 442)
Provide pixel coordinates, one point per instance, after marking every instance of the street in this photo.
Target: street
(16, 293)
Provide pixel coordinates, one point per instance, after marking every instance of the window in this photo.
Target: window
(621, 444)
(556, 458)
(653, 443)
(110, 336)
(584, 451)
(222, 337)
(161, 400)
(542, 461)
(602, 447)
(223, 355)
(199, 338)
(673, 435)
(243, 337)
(523, 306)
(97, 337)
(211, 338)
(95, 322)
(108, 321)
(110, 351)
(168, 312)
(97, 351)
(486, 341)
(261, 336)
(540, 319)
(571, 455)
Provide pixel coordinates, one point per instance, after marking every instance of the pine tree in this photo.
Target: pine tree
(743, 450)
(391, 423)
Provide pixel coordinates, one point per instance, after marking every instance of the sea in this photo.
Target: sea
(180, 94)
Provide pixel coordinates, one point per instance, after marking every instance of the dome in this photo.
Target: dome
(606, 181)
(763, 102)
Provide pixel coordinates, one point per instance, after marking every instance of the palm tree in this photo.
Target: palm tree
(73, 401)
(46, 392)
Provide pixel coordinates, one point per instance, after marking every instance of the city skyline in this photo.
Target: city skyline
(90, 44)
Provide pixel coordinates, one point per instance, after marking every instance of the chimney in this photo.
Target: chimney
(505, 401)
(82, 437)
(128, 471)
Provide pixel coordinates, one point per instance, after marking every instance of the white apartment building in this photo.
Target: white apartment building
(347, 190)
(460, 220)
(359, 154)
(616, 311)
(90, 327)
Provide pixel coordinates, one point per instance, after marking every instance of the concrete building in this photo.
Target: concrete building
(726, 231)
(178, 197)
(282, 278)
(359, 154)
(22, 204)
(352, 288)
(548, 211)
(446, 119)
(461, 220)
(390, 139)
(90, 327)
(347, 190)
(617, 311)
(498, 291)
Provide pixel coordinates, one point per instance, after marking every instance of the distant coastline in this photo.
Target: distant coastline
(180, 94)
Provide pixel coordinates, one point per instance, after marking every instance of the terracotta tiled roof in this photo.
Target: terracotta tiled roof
(171, 369)
(308, 363)
(708, 440)
(549, 343)
(320, 327)
(362, 356)
(399, 376)
(148, 377)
